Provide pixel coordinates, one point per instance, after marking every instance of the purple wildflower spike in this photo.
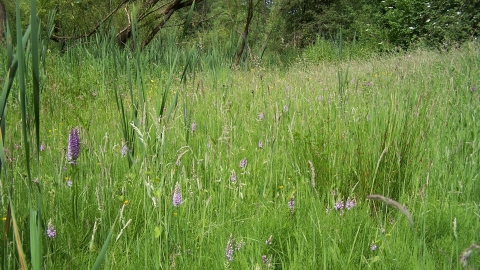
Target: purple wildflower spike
(243, 163)
(73, 146)
(339, 205)
(291, 204)
(194, 126)
(124, 150)
(229, 249)
(233, 177)
(350, 204)
(177, 195)
(261, 116)
(265, 259)
(51, 232)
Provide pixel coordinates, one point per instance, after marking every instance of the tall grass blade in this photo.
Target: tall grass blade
(175, 98)
(186, 119)
(378, 166)
(173, 105)
(7, 86)
(340, 44)
(9, 42)
(123, 117)
(23, 91)
(393, 204)
(36, 238)
(6, 231)
(134, 113)
(167, 87)
(18, 241)
(35, 73)
(102, 253)
(189, 18)
(34, 39)
(46, 39)
(2, 151)
(4, 95)
(465, 255)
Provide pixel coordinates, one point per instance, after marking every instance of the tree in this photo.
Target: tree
(440, 23)
(245, 32)
(302, 21)
(91, 16)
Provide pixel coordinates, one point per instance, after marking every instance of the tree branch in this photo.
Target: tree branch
(126, 32)
(167, 12)
(197, 22)
(245, 32)
(63, 38)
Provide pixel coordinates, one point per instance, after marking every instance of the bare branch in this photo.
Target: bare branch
(245, 32)
(197, 22)
(128, 16)
(167, 12)
(95, 29)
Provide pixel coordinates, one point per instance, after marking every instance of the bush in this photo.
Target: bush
(435, 24)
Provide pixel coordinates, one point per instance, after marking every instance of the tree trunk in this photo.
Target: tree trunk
(126, 33)
(167, 13)
(245, 32)
(155, 30)
(3, 21)
(155, 10)
(164, 15)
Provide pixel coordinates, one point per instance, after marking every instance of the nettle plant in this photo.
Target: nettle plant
(433, 23)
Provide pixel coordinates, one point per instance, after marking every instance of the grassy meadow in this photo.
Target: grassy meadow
(187, 164)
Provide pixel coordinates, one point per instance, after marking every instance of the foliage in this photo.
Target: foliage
(302, 21)
(436, 23)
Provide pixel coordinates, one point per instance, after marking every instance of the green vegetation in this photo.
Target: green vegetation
(278, 31)
(167, 157)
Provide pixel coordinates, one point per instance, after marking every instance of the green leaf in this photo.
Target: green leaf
(35, 76)
(35, 239)
(18, 241)
(23, 91)
(102, 253)
(189, 18)
(158, 231)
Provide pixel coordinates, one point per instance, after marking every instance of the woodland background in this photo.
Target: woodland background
(270, 30)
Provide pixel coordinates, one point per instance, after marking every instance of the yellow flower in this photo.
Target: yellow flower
(280, 187)
(126, 202)
(174, 214)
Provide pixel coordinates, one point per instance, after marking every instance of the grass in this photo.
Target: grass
(404, 127)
